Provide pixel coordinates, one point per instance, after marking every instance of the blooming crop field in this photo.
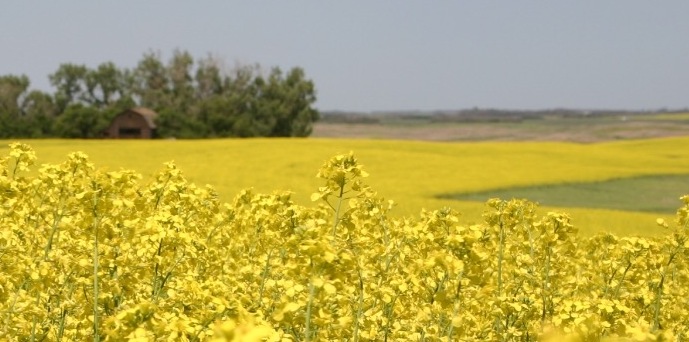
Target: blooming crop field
(104, 255)
(412, 174)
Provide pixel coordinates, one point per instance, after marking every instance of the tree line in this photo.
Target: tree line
(194, 99)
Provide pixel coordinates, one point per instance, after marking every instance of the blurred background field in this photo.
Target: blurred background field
(420, 174)
(505, 125)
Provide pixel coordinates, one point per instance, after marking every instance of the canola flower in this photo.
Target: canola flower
(94, 255)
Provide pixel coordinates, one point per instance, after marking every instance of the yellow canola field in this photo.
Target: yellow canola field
(410, 173)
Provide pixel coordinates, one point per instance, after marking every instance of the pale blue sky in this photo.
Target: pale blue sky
(386, 55)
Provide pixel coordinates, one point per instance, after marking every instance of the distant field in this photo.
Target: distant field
(571, 129)
(412, 173)
(669, 117)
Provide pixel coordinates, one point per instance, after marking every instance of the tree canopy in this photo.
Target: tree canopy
(195, 98)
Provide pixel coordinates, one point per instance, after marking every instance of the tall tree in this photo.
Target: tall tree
(81, 121)
(179, 71)
(105, 85)
(70, 83)
(208, 78)
(299, 114)
(226, 112)
(151, 83)
(12, 89)
(287, 103)
(201, 100)
(39, 111)
(37, 102)
(171, 123)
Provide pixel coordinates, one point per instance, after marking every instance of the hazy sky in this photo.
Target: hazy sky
(385, 55)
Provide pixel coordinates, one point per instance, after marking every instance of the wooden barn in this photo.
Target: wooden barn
(134, 123)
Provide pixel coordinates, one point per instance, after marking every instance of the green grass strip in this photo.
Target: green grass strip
(658, 194)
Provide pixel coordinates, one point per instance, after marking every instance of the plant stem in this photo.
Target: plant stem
(501, 251)
(264, 276)
(456, 305)
(10, 311)
(337, 211)
(624, 274)
(16, 166)
(360, 307)
(656, 309)
(546, 282)
(96, 333)
(33, 321)
(307, 325)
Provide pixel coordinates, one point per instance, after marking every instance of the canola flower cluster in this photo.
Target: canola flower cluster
(93, 255)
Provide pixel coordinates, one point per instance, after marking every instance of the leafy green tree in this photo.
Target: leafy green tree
(175, 124)
(286, 102)
(105, 85)
(80, 121)
(38, 111)
(37, 102)
(12, 88)
(265, 103)
(151, 83)
(217, 115)
(179, 71)
(18, 109)
(208, 78)
(298, 114)
(193, 100)
(86, 98)
(70, 83)
(219, 99)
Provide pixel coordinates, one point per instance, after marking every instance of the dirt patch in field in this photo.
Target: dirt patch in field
(564, 130)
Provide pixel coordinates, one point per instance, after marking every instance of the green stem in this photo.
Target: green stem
(501, 252)
(33, 321)
(624, 274)
(337, 211)
(16, 166)
(64, 313)
(360, 307)
(609, 281)
(51, 237)
(264, 276)
(656, 313)
(659, 291)
(159, 195)
(546, 282)
(96, 332)
(456, 304)
(155, 284)
(307, 325)
(61, 326)
(10, 311)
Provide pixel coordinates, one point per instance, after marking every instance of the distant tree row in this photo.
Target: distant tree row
(194, 99)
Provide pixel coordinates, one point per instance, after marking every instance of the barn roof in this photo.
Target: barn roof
(148, 114)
